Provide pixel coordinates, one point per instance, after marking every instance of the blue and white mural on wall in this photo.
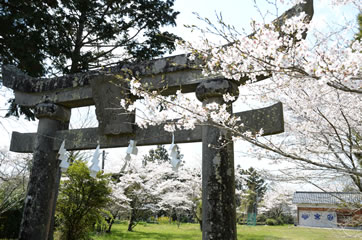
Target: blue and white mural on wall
(305, 216)
(330, 217)
(317, 218)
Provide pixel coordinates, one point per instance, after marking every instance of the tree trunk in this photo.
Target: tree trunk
(132, 221)
(76, 54)
(110, 222)
(178, 220)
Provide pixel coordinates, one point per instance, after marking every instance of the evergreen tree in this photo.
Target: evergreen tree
(359, 34)
(70, 36)
(78, 35)
(160, 155)
(255, 189)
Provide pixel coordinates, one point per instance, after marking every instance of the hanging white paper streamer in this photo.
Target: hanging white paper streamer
(132, 149)
(172, 143)
(64, 165)
(94, 168)
(175, 160)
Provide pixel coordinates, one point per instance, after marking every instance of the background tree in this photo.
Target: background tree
(68, 32)
(60, 37)
(279, 207)
(254, 190)
(240, 185)
(14, 175)
(137, 191)
(22, 39)
(180, 194)
(160, 155)
(359, 34)
(154, 189)
(81, 201)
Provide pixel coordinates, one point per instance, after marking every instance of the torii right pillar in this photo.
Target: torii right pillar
(218, 178)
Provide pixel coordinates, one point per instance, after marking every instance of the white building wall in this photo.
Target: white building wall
(317, 218)
(316, 205)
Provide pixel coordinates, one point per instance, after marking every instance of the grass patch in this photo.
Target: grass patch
(192, 232)
(152, 232)
(295, 233)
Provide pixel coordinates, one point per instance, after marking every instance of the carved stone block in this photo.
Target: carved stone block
(112, 118)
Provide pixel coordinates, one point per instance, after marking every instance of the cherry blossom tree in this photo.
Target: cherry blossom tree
(280, 207)
(14, 171)
(179, 194)
(318, 79)
(14, 177)
(135, 189)
(142, 191)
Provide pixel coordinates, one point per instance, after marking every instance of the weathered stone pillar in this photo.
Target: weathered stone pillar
(218, 180)
(44, 177)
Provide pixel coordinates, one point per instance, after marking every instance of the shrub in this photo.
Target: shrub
(271, 222)
(260, 218)
(163, 220)
(81, 202)
(288, 219)
(280, 220)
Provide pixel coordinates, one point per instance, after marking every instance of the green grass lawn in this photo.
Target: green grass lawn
(192, 232)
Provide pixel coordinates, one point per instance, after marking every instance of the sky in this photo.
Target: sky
(235, 12)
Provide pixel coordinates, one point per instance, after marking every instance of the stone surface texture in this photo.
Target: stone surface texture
(269, 118)
(218, 179)
(15, 79)
(216, 88)
(44, 177)
(107, 94)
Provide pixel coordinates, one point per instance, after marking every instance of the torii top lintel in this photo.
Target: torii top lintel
(75, 90)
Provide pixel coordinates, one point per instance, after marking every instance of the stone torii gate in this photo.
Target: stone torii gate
(53, 99)
(52, 107)
(53, 103)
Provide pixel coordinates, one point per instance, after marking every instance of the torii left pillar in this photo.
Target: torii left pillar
(43, 185)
